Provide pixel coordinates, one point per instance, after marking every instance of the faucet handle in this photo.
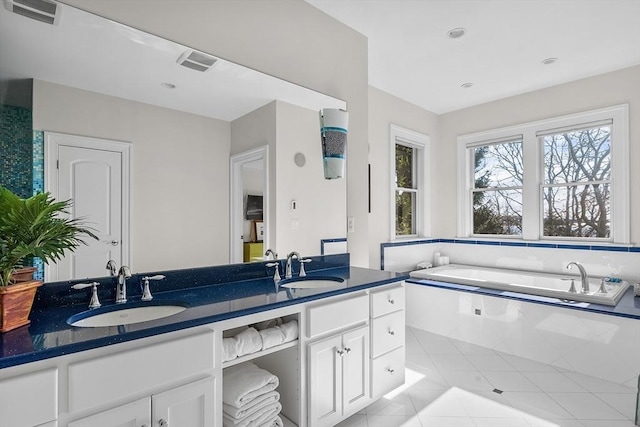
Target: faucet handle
(94, 302)
(303, 261)
(276, 274)
(146, 292)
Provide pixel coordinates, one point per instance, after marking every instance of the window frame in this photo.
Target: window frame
(533, 164)
(421, 143)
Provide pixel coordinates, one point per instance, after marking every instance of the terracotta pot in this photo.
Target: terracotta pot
(23, 274)
(15, 304)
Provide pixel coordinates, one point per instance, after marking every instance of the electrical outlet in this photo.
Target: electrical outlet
(478, 312)
(294, 224)
(351, 225)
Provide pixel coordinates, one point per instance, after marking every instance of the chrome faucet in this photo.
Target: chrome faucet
(583, 275)
(121, 286)
(287, 271)
(271, 252)
(111, 266)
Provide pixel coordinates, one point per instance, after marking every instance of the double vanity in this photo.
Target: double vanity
(168, 370)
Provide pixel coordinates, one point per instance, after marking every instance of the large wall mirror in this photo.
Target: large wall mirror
(193, 135)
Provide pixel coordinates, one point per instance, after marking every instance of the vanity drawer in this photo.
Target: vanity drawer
(387, 333)
(337, 315)
(387, 372)
(30, 399)
(387, 300)
(133, 372)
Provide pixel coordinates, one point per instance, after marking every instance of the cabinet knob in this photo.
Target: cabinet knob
(391, 332)
(340, 352)
(391, 371)
(163, 423)
(391, 301)
(347, 350)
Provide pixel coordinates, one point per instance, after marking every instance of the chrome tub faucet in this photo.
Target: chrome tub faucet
(583, 275)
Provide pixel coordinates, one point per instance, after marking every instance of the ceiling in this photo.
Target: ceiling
(93, 53)
(501, 53)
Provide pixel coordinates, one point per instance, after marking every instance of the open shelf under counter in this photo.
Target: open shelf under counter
(286, 422)
(260, 353)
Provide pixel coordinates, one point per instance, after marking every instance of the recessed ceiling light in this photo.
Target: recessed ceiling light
(466, 85)
(456, 33)
(549, 61)
(168, 85)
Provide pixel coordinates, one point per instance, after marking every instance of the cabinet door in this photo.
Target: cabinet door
(191, 405)
(134, 414)
(325, 377)
(355, 370)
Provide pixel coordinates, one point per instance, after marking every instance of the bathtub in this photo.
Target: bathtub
(527, 282)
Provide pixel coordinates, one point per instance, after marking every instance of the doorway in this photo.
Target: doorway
(94, 174)
(253, 162)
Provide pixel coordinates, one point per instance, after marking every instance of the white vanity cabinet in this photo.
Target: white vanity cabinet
(338, 361)
(189, 405)
(387, 339)
(30, 399)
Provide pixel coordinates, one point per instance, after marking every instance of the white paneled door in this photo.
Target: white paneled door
(94, 174)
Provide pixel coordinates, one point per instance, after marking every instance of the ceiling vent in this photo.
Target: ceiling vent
(41, 10)
(196, 60)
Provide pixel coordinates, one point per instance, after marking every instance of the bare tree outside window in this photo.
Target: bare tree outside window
(406, 190)
(497, 192)
(577, 180)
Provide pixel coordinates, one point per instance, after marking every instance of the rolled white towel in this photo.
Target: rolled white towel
(268, 323)
(289, 330)
(229, 349)
(251, 406)
(258, 418)
(271, 337)
(276, 422)
(245, 382)
(248, 341)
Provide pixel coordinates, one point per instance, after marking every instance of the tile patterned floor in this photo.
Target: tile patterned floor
(451, 383)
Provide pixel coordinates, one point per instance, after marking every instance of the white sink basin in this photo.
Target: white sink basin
(125, 316)
(312, 282)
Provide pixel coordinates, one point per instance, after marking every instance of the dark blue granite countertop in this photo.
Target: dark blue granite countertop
(628, 306)
(208, 301)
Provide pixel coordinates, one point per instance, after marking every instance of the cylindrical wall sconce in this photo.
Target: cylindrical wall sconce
(333, 130)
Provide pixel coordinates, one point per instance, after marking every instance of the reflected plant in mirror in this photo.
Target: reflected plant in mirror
(162, 120)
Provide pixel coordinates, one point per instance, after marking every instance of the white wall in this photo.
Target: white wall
(289, 39)
(608, 89)
(321, 203)
(179, 210)
(386, 109)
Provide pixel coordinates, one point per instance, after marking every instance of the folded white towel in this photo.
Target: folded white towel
(245, 382)
(289, 330)
(248, 341)
(251, 406)
(229, 349)
(271, 337)
(268, 323)
(258, 418)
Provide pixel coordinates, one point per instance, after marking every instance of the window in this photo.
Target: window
(409, 213)
(562, 178)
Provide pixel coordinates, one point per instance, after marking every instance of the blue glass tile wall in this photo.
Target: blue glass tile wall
(16, 149)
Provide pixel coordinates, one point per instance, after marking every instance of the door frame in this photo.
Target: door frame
(52, 142)
(236, 196)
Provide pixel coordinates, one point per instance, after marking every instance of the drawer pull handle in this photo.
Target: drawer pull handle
(391, 332)
(163, 423)
(340, 352)
(391, 301)
(391, 371)
(347, 350)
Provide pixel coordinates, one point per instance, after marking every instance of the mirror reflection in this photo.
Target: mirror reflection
(165, 150)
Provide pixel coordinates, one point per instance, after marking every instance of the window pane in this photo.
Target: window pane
(498, 165)
(404, 166)
(578, 156)
(497, 212)
(405, 206)
(577, 211)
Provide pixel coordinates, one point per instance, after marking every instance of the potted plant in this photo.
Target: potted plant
(32, 227)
